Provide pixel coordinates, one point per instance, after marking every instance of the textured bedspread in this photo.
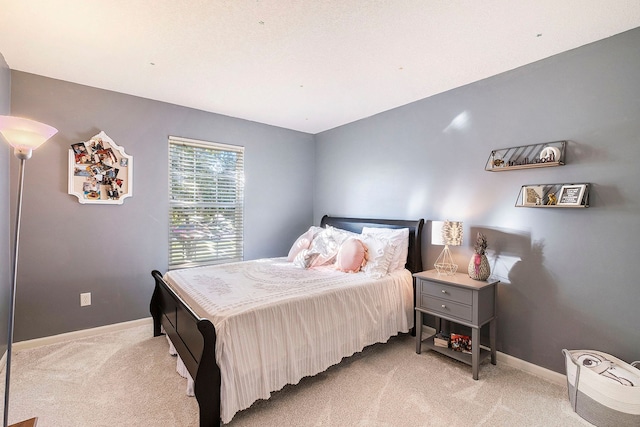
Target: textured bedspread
(276, 323)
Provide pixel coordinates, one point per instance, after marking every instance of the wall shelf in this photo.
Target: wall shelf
(541, 155)
(566, 196)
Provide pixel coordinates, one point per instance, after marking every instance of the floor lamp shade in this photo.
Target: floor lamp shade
(24, 135)
(447, 233)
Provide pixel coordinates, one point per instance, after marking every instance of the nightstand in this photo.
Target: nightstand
(462, 300)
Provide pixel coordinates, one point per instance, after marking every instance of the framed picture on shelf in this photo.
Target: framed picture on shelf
(571, 195)
(532, 195)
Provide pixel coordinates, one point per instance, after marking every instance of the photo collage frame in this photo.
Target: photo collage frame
(100, 171)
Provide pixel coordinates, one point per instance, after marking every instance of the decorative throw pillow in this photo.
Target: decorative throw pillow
(322, 251)
(399, 236)
(380, 252)
(352, 255)
(325, 246)
(303, 242)
(305, 258)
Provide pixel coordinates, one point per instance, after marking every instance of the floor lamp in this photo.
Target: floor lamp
(24, 136)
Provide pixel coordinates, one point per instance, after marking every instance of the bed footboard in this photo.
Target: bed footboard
(195, 341)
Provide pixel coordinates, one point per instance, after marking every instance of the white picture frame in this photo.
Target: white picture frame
(571, 195)
(100, 172)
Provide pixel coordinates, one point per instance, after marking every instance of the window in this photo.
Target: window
(206, 198)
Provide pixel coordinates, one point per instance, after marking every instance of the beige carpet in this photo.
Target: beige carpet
(127, 378)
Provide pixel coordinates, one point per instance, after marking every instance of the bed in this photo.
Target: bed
(210, 356)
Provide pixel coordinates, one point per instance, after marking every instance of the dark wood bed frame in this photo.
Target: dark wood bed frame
(195, 338)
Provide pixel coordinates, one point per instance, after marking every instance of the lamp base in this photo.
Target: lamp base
(444, 264)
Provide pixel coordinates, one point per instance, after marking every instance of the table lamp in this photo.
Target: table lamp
(447, 233)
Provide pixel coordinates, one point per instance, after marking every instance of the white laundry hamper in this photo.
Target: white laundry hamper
(602, 389)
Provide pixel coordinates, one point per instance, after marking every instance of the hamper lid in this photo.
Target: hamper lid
(607, 366)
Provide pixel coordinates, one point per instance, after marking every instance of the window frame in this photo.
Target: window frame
(206, 210)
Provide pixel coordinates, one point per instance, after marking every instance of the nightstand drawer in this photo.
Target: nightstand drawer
(447, 292)
(446, 308)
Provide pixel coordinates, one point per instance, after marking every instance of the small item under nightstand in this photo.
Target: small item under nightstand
(462, 300)
(441, 340)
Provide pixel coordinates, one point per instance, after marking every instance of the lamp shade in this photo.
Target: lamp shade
(436, 232)
(446, 233)
(452, 233)
(25, 134)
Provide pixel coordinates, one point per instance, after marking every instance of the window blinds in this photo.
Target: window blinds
(206, 199)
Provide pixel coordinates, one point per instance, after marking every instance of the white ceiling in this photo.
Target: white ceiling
(299, 64)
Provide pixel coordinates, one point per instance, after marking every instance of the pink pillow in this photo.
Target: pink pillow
(351, 256)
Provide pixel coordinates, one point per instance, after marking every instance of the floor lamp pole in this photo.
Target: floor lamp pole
(12, 293)
(24, 135)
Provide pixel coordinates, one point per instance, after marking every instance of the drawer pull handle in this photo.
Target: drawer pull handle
(444, 306)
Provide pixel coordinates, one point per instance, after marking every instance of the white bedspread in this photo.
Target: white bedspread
(276, 323)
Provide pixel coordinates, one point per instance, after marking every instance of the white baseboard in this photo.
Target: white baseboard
(520, 364)
(55, 339)
(538, 371)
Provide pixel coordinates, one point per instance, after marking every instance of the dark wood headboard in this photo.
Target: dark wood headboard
(414, 258)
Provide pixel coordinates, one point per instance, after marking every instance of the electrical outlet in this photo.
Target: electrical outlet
(85, 299)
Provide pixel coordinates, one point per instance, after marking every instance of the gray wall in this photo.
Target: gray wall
(5, 246)
(68, 248)
(568, 276)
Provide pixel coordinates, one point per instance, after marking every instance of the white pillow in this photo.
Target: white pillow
(340, 235)
(303, 242)
(380, 252)
(400, 236)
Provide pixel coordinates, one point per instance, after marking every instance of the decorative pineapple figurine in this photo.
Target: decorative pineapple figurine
(479, 264)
